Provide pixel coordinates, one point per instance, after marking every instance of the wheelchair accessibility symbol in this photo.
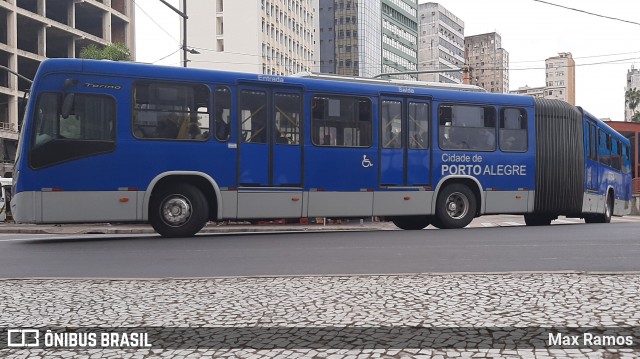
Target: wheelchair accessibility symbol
(366, 162)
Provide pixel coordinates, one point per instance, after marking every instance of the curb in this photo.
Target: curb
(28, 229)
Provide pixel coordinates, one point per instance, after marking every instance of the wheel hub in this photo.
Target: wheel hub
(176, 211)
(457, 205)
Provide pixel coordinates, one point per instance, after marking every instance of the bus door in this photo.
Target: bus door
(270, 152)
(591, 165)
(405, 156)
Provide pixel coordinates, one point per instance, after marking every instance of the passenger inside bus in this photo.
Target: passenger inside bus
(167, 128)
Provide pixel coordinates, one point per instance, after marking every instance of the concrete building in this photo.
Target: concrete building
(366, 38)
(633, 81)
(275, 37)
(441, 43)
(488, 61)
(560, 72)
(33, 30)
(537, 92)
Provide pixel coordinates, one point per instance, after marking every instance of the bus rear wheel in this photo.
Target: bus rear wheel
(455, 207)
(411, 223)
(180, 210)
(603, 217)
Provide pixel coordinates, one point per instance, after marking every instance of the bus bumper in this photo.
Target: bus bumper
(23, 207)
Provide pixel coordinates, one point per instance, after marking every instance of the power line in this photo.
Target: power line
(162, 58)
(154, 21)
(588, 12)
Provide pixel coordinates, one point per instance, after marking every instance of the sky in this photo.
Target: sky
(604, 49)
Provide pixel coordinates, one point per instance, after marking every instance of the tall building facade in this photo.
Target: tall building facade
(488, 61)
(368, 37)
(441, 43)
(633, 82)
(560, 73)
(275, 37)
(400, 38)
(32, 31)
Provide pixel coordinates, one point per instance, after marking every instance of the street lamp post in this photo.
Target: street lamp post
(184, 16)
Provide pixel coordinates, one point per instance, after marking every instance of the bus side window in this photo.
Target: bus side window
(626, 162)
(222, 113)
(604, 153)
(170, 111)
(464, 127)
(513, 130)
(341, 121)
(616, 155)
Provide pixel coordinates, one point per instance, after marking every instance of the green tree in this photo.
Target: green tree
(632, 99)
(115, 52)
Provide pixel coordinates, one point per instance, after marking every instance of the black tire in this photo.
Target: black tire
(455, 207)
(411, 223)
(602, 217)
(180, 210)
(537, 220)
(608, 210)
(436, 223)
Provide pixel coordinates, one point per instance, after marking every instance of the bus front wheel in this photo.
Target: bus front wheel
(179, 210)
(411, 223)
(455, 207)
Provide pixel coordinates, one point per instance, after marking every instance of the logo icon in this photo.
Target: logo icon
(366, 162)
(23, 338)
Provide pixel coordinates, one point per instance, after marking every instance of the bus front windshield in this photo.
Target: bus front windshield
(70, 127)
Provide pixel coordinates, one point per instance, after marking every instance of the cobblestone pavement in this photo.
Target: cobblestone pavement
(500, 300)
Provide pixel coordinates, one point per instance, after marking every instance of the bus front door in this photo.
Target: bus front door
(270, 153)
(405, 157)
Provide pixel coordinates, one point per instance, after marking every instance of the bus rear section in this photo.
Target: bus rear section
(574, 174)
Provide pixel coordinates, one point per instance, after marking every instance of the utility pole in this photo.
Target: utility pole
(184, 16)
(468, 75)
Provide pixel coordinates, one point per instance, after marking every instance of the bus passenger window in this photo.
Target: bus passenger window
(222, 113)
(170, 111)
(604, 152)
(343, 121)
(465, 127)
(513, 130)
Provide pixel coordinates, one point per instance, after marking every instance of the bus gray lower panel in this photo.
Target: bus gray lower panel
(559, 158)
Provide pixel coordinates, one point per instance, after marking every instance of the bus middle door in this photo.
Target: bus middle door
(405, 157)
(270, 153)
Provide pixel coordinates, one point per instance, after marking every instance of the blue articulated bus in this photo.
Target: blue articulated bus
(110, 141)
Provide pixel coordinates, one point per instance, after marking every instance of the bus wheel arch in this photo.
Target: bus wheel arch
(187, 196)
(458, 202)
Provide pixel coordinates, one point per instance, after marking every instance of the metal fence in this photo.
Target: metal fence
(636, 185)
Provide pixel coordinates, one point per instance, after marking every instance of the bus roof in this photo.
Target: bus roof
(318, 83)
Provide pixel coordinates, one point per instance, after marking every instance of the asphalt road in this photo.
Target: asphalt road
(571, 247)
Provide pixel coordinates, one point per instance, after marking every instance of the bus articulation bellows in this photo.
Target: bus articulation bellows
(126, 142)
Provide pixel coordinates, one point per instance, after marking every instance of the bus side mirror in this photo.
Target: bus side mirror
(67, 104)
